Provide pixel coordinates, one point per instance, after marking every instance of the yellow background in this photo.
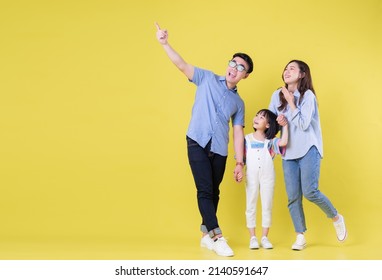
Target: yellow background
(93, 117)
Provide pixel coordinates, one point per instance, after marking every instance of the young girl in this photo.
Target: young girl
(296, 103)
(260, 148)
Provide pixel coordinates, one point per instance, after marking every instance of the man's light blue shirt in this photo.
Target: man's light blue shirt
(303, 124)
(215, 105)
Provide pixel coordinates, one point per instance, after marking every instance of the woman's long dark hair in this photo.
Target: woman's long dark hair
(304, 84)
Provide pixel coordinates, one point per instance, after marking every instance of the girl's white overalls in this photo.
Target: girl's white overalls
(260, 179)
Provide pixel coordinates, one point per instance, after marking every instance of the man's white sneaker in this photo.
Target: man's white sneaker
(300, 243)
(206, 242)
(340, 227)
(253, 244)
(221, 247)
(265, 243)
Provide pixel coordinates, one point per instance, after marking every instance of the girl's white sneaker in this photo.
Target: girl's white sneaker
(265, 243)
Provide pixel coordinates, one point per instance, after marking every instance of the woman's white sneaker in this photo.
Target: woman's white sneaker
(300, 243)
(340, 227)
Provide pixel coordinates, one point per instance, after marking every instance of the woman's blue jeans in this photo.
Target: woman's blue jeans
(208, 171)
(301, 179)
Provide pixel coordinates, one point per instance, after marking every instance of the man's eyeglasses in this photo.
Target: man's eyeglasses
(239, 67)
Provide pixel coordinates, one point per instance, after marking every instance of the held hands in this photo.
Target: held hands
(282, 120)
(162, 35)
(238, 173)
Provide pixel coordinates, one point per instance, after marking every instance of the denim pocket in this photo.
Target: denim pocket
(190, 142)
(195, 152)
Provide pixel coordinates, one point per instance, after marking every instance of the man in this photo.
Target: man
(216, 103)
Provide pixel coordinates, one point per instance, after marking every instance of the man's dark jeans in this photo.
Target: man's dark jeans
(208, 171)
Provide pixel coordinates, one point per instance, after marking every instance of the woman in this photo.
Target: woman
(296, 104)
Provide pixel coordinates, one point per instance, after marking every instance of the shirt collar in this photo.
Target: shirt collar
(223, 80)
